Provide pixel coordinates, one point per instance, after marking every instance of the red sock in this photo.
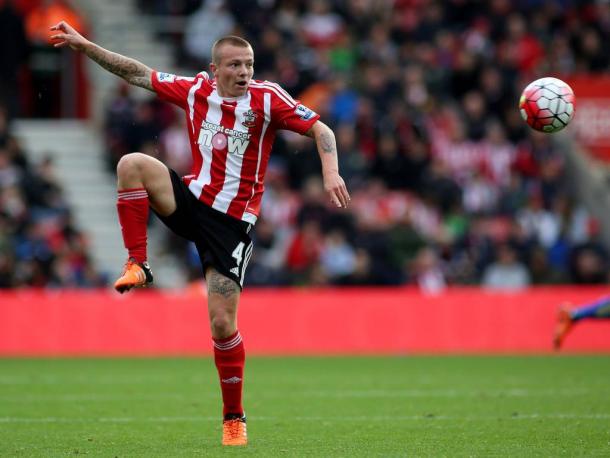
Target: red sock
(132, 206)
(230, 358)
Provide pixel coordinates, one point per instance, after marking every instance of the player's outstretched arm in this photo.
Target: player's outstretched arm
(129, 69)
(327, 149)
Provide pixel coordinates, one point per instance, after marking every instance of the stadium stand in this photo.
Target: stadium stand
(40, 245)
(446, 179)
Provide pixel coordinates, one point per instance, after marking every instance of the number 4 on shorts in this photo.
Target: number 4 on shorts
(238, 253)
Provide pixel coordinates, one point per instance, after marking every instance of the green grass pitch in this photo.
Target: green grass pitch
(453, 406)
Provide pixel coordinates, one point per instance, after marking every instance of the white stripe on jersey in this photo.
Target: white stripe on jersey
(282, 91)
(191, 102)
(275, 91)
(249, 218)
(267, 110)
(234, 162)
(213, 116)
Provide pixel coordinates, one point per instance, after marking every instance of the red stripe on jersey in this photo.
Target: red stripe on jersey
(219, 157)
(248, 169)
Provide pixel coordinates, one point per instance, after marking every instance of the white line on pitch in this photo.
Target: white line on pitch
(33, 398)
(407, 393)
(361, 418)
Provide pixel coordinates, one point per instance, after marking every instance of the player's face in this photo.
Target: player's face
(234, 70)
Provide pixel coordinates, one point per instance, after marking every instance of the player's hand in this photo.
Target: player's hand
(67, 36)
(336, 189)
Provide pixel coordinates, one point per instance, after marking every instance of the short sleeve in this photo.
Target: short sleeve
(288, 113)
(173, 88)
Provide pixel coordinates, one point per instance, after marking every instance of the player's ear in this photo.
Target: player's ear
(213, 68)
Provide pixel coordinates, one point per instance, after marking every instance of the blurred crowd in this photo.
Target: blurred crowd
(448, 184)
(40, 246)
(39, 243)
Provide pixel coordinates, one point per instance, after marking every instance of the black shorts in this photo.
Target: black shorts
(221, 240)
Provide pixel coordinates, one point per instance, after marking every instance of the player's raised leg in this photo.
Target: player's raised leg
(566, 318)
(142, 181)
(229, 354)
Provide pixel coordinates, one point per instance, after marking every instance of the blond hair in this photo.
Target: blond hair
(228, 40)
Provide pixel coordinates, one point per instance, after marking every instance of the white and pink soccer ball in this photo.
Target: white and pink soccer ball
(547, 104)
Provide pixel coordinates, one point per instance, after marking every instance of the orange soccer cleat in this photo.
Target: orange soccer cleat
(135, 275)
(563, 326)
(234, 430)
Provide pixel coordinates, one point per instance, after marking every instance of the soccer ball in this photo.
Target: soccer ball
(547, 104)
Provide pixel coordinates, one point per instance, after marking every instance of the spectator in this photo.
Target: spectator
(320, 25)
(361, 274)
(427, 272)
(175, 146)
(210, 22)
(506, 273)
(389, 165)
(304, 251)
(266, 265)
(589, 259)
(338, 257)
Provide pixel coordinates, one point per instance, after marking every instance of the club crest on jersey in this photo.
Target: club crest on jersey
(304, 113)
(166, 77)
(249, 119)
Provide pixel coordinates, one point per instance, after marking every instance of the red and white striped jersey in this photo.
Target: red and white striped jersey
(231, 138)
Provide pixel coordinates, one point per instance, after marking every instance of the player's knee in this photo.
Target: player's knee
(223, 325)
(130, 165)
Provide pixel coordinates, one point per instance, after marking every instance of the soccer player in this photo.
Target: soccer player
(566, 317)
(232, 121)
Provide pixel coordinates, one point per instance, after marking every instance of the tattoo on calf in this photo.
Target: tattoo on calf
(219, 284)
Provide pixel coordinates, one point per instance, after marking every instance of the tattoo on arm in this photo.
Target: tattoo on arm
(142, 81)
(325, 138)
(327, 143)
(129, 69)
(219, 284)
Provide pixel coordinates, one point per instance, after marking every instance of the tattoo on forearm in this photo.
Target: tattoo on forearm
(127, 68)
(219, 284)
(327, 143)
(142, 81)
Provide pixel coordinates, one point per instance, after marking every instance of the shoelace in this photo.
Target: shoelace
(127, 265)
(141, 276)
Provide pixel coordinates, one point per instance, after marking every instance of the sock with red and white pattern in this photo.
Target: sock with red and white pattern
(132, 207)
(230, 358)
